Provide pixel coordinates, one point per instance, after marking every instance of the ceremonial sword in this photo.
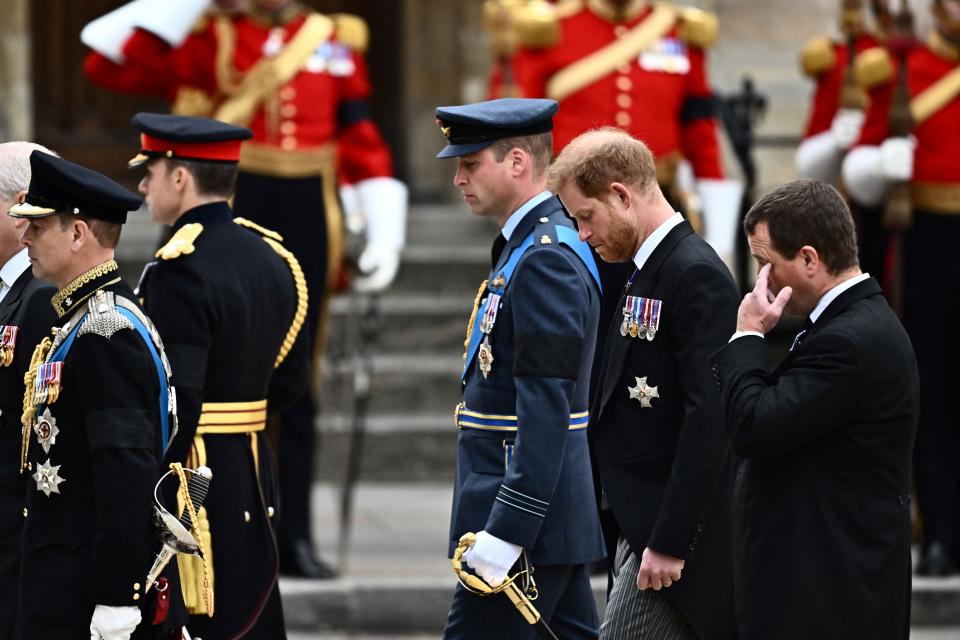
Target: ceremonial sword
(477, 585)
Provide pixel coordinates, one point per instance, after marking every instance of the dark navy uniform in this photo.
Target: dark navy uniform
(94, 432)
(25, 314)
(229, 301)
(523, 467)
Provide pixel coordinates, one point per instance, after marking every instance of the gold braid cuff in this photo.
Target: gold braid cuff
(29, 406)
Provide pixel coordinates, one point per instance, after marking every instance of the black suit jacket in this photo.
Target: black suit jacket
(666, 470)
(822, 515)
(27, 307)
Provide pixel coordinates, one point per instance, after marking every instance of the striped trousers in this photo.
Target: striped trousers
(639, 615)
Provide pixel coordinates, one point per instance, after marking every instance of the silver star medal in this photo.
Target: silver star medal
(643, 392)
(46, 430)
(48, 478)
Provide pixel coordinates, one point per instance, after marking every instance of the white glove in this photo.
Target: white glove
(863, 175)
(819, 158)
(491, 558)
(896, 158)
(172, 20)
(846, 127)
(720, 201)
(384, 204)
(113, 623)
(108, 34)
(353, 217)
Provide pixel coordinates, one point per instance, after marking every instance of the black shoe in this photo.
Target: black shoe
(299, 561)
(935, 562)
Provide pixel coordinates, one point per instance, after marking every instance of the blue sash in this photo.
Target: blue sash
(565, 235)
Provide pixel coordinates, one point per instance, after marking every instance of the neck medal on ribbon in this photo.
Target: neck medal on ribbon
(485, 354)
(641, 317)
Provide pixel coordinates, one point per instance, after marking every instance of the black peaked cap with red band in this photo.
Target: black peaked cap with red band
(187, 138)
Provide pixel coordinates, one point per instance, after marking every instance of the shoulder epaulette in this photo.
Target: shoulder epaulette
(818, 56)
(873, 67)
(263, 231)
(537, 23)
(181, 242)
(698, 28)
(352, 31)
(103, 318)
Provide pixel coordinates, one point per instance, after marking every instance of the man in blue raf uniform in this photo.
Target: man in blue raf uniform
(95, 422)
(656, 427)
(229, 301)
(523, 470)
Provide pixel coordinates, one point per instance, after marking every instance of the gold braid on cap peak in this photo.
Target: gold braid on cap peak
(302, 299)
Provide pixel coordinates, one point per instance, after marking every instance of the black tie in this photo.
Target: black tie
(498, 244)
(801, 336)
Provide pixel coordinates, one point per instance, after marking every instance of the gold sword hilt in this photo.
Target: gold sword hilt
(479, 586)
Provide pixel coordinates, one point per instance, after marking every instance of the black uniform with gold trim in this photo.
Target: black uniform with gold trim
(93, 429)
(229, 310)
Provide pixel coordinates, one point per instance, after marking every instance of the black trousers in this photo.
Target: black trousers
(294, 208)
(873, 241)
(932, 314)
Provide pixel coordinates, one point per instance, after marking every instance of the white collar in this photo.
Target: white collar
(831, 295)
(15, 267)
(655, 238)
(520, 213)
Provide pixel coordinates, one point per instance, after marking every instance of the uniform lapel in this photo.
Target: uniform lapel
(615, 351)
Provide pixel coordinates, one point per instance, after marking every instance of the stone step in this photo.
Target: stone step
(403, 383)
(435, 225)
(430, 323)
(443, 269)
(396, 448)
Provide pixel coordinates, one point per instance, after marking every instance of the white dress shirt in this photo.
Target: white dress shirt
(12, 270)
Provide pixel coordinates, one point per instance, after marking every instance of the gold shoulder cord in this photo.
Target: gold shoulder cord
(29, 406)
(473, 317)
(302, 298)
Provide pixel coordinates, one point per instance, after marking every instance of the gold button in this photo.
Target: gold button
(620, 30)
(30, 466)
(246, 516)
(624, 83)
(288, 110)
(624, 101)
(289, 143)
(136, 596)
(270, 511)
(624, 67)
(288, 93)
(288, 128)
(136, 586)
(622, 119)
(24, 512)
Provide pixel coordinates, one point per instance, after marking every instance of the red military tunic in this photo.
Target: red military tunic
(325, 102)
(660, 96)
(937, 158)
(826, 96)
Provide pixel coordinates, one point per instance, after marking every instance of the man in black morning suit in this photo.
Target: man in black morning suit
(656, 431)
(523, 481)
(25, 319)
(229, 301)
(822, 505)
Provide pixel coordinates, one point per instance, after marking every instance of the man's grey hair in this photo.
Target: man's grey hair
(15, 166)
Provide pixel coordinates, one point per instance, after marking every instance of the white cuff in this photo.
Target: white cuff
(173, 20)
(384, 205)
(819, 158)
(863, 175)
(108, 34)
(721, 214)
(740, 334)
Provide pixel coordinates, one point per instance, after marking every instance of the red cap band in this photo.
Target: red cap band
(226, 151)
